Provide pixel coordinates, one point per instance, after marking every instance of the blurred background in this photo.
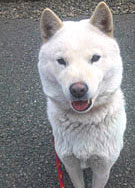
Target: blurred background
(32, 9)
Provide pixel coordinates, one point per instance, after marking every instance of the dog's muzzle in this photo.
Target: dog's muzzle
(80, 102)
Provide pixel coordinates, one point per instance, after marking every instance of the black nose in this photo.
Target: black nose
(78, 89)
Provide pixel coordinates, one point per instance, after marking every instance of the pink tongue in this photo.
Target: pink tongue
(80, 105)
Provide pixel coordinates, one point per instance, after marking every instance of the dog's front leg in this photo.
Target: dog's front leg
(74, 170)
(100, 179)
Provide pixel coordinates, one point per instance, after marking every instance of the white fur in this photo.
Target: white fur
(95, 138)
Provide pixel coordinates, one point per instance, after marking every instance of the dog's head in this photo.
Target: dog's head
(79, 62)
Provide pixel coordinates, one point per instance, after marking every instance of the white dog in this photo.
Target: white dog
(81, 71)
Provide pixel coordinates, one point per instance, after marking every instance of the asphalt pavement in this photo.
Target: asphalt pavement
(26, 144)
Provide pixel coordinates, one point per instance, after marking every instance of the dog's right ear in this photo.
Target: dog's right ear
(49, 24)
(102, 19)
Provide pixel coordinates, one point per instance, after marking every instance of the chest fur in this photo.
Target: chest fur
(97, 133)
(84, 140)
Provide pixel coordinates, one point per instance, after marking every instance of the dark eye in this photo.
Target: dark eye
(95, 58)
(61, 61)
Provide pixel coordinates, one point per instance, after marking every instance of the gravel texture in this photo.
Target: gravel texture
(12, 9)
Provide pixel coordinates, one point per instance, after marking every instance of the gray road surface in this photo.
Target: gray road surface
(26, 149)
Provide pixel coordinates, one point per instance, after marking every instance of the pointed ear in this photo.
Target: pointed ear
(49, 24)
(102, 19)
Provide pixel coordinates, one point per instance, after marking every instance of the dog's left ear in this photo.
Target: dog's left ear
(49, 24)
(102, 19)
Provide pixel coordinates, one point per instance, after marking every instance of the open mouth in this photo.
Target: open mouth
(82, 105)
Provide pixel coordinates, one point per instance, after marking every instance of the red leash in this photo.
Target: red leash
(59, 170)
